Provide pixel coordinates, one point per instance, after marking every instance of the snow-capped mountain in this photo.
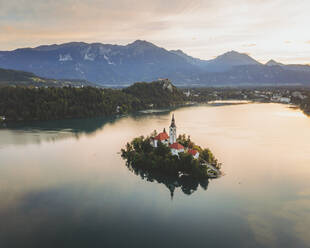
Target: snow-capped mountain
(101, 63)
(108, 64)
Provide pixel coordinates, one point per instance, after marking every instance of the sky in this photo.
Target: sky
(264, 29)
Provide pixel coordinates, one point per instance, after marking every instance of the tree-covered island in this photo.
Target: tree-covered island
(172, 156)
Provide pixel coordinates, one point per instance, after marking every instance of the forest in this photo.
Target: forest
(53, 103)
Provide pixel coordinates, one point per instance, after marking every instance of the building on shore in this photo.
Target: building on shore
(162, 137)
(176, 148)
(195, 153)
(171, 141)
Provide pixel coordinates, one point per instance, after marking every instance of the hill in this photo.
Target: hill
(30, 103)
(160, 93)
(229, 60)
(118, 65)
(21, 78)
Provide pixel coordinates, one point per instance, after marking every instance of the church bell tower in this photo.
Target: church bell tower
(172, 131)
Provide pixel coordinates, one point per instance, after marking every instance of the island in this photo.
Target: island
(171, 159)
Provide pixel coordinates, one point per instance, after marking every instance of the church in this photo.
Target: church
(171, 141)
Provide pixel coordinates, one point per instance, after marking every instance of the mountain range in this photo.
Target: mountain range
(117, 65)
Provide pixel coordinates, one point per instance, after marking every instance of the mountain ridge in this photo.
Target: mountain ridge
(110, 64)
(21, 78)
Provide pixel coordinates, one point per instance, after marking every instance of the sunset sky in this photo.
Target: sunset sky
(265, 29)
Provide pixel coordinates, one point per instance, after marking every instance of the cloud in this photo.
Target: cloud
(264, 223)
(250, 45)
(262, 230)
(217, 25)
(122, 19)
(297, 213)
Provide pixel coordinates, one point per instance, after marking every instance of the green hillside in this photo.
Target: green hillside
(21, 78)
(160, 93)
(51, 103)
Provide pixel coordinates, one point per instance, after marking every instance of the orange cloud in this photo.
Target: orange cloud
(249, 45)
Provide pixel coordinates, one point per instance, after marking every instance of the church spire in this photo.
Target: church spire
(172, 131)
(172, 121)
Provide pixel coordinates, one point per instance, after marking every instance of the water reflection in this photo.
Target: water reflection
(77, 192)
(188, 184)
(87, 126)
(36, 132)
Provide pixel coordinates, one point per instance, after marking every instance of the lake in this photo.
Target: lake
(64, 184)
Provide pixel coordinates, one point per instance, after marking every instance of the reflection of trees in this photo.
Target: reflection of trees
(54, 130)
(51, 131)
(76, 126)
(188, 184)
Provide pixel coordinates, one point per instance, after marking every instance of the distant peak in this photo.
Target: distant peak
(272, 63)
(141, 43)
(234, 53)
(56, 46)
(235, 58)
(182, 54)
(177, 51)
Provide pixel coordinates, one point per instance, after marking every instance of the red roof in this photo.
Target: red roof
(177, 146)
(193, 152)
(162, 136)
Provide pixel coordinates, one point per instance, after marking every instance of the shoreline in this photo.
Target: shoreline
(3, 124)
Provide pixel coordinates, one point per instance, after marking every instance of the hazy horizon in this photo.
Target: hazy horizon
(203, 29)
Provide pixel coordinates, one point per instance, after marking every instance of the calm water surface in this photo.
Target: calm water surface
(63, 183)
